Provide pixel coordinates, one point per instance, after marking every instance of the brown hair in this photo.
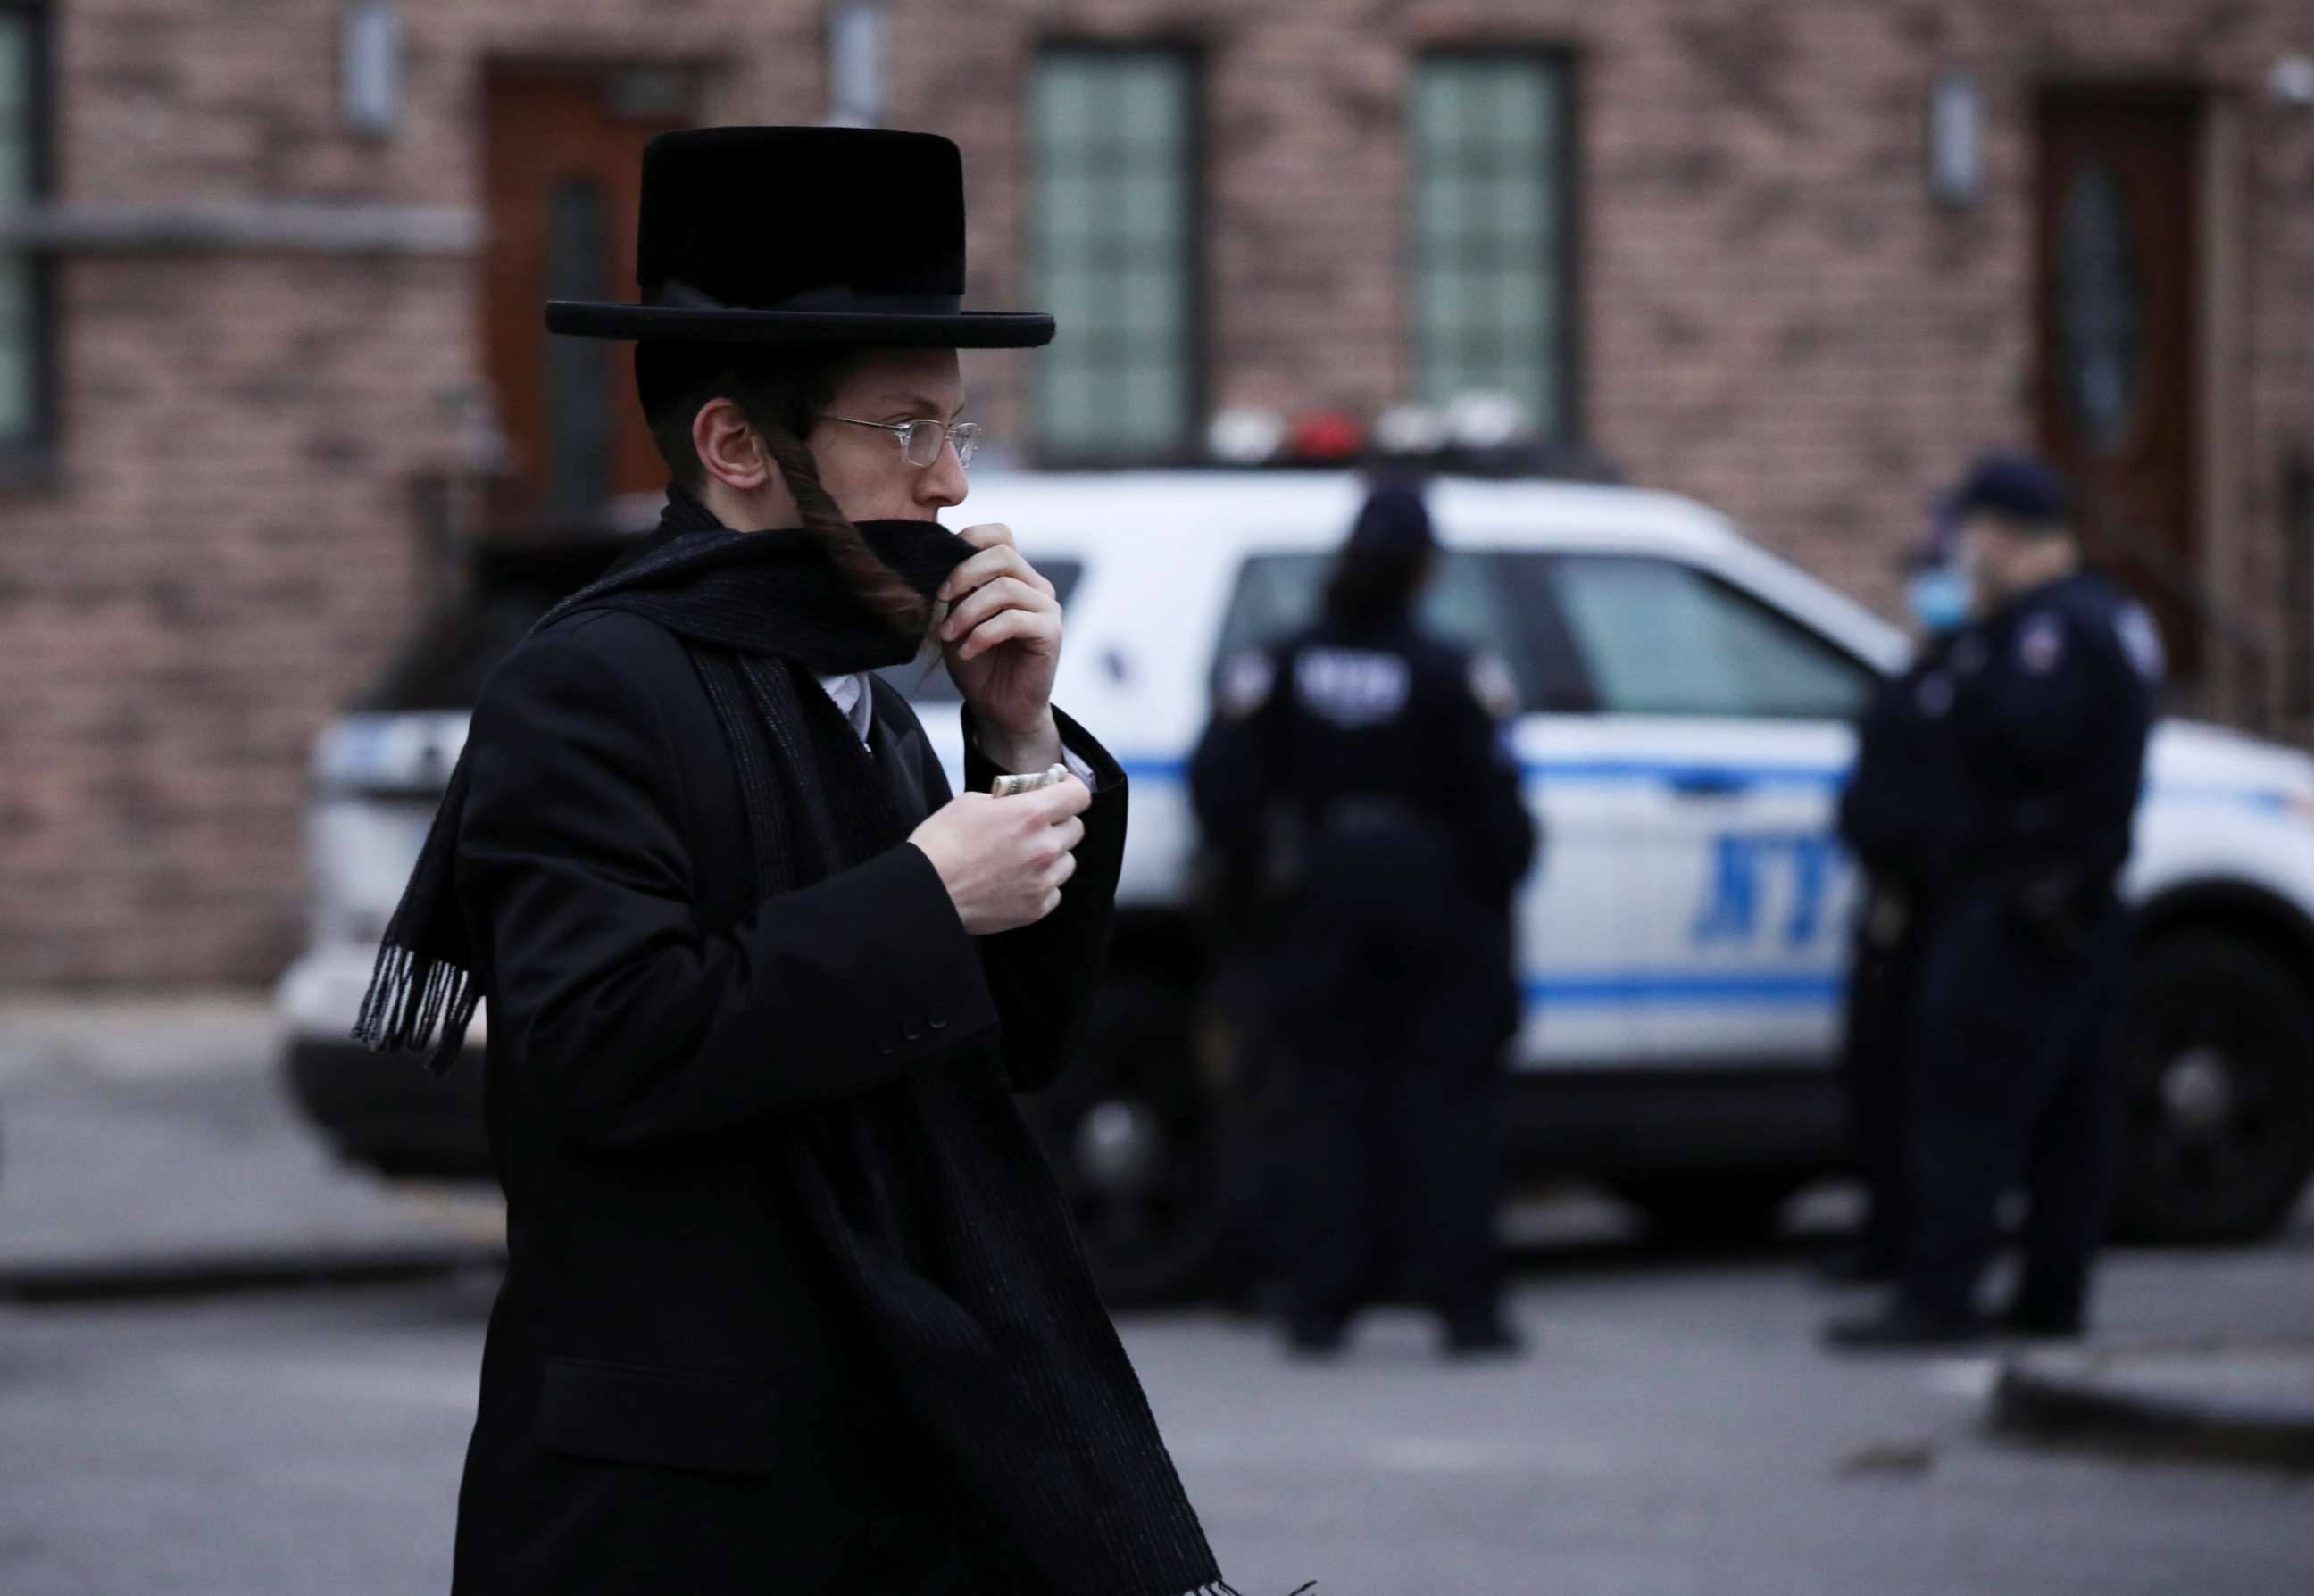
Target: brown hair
(782, 393)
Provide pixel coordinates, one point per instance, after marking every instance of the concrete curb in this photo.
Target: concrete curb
(2235, 1402)
(178, 1275)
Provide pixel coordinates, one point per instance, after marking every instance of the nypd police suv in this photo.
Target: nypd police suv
(1685, 705)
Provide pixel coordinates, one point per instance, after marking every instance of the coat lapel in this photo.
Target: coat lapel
(898, 741)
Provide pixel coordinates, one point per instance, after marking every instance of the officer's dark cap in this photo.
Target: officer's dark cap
(2016, 488)
(1393, 518)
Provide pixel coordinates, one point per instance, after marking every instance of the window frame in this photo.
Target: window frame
(32, 453)
(1719, 582)
(1565, 258)
(1197, 352)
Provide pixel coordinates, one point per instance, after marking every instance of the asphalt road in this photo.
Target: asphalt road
(1673, 1430)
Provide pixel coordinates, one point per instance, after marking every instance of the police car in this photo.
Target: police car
(1684, 728)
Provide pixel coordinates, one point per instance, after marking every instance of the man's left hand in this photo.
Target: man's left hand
(1002, 640)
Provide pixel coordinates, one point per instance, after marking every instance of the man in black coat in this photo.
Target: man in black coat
(2053, 696)
(791, 1302)
(1372, 753)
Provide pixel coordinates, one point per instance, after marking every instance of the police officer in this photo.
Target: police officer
(2054, 697)
(1900, 818)
(1364, 761)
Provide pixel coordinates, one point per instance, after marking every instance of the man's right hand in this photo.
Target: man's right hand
(1003, 860)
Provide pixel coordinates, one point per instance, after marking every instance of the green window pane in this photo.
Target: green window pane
(1149, 413)
(1518, 207)
(1064, 108)
(1442, 213)
(1486, 210)
(17, 333)
(1152, 311)
(1522, 111)
(1147, 107)
(1071, 298)
(1151, 207)
(1445, 118)
(1112, 232)
(1513, 302)
(1065, 391)
(19, 330)
(15, 109)
(1444, 298)
(1066, 214)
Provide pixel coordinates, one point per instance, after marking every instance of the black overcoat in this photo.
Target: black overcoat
(676, 1393)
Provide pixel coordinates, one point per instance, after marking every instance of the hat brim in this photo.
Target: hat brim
(966, 329)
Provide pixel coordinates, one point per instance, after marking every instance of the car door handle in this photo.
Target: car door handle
(1707, 783)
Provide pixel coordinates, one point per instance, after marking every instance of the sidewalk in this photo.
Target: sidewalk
(2228, 1401)
(147, 1147)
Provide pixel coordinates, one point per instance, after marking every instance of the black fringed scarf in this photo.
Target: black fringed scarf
(928, 1194)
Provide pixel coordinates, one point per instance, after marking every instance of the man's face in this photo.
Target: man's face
(863, 467)
(1990, 548)
(2004, 558)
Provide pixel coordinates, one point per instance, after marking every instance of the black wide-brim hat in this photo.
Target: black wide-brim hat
(813, 236)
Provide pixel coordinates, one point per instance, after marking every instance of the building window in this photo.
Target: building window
(24, 319)
(1491, 245)
(1113, 133)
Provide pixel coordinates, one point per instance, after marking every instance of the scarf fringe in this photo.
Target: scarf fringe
(415, 1003)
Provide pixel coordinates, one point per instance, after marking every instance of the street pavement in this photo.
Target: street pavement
(1675, 1429)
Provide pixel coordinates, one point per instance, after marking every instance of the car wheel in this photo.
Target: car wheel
(1133, 1136)
(2217, 1058)
(1711, 1210)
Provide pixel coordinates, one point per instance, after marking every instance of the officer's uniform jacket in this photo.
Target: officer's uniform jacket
(2055, 695)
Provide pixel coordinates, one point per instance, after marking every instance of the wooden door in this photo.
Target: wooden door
(562, 151)
(2118, 379)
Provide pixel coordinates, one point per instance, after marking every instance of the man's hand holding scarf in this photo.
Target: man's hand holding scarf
(1002, 641)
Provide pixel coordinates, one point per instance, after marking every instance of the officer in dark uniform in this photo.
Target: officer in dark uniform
(2054, 699)
(1900, 818)
(1365, 761)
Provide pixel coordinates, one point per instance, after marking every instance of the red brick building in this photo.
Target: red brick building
(269, 274)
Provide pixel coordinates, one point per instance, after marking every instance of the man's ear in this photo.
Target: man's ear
(729, 448)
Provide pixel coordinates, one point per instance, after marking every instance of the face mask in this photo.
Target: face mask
(1939, 598)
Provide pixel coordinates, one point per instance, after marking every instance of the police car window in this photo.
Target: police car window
(1664, 639)
(928, 683)
(1476, 599)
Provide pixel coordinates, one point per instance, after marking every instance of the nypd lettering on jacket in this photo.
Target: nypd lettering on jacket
(1355, 687)
(1351, 687)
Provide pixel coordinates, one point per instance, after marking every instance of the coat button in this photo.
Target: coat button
(885, 1047)
(936, 1017)
(912, 1033)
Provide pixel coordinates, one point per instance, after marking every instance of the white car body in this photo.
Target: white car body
(1615, 972)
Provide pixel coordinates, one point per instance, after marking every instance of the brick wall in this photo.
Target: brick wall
(1773, 317)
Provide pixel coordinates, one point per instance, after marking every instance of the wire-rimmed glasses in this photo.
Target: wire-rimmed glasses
(921, 441)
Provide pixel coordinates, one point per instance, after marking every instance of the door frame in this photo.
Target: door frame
(2239, 652)
(653, 95)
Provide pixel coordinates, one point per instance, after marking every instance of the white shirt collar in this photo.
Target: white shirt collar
(851, 695)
